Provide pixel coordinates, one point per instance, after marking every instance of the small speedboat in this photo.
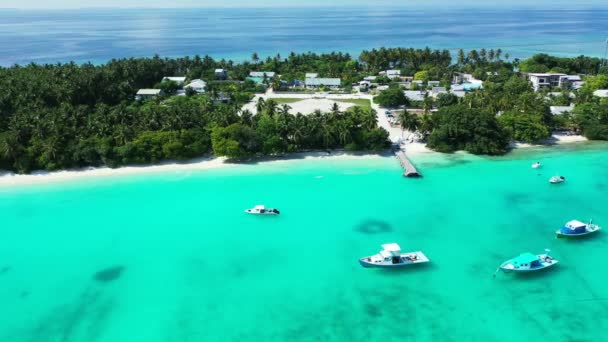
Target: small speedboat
(576, 228)
(529, 262)
(391, 257)
(261, 210)
(536, 165)
(557, 179)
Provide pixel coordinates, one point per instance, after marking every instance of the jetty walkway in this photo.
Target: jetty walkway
(408, 167)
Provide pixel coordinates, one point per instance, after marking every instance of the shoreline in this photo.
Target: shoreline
(413, 150)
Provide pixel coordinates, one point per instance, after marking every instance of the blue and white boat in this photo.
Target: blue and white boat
(577, 228)
(391, 257)
(557, 179)
(528, 262)
(261, 210)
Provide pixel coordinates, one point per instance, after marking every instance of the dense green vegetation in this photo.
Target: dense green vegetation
(67, 115)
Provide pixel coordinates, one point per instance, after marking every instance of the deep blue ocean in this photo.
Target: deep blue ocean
(100, 35)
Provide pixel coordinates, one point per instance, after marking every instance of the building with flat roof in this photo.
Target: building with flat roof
(145, 94)
(197, 85)
(332, 83)
(180, 80)
(262, 74)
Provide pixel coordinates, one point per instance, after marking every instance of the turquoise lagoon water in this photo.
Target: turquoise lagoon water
(195, 268)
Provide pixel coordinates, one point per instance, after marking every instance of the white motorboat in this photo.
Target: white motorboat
(391, 257)
(577, 228)
(557, 179)
(261, 210)
(528, 262)
(536, 165)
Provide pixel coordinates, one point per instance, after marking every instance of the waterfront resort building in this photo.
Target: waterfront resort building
(177, 79)
(145, 94)
(221, 74)
(311, 75)
(197, 85)
(331, 83)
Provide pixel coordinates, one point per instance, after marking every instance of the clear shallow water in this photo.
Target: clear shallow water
(100, 35)
(196, 268)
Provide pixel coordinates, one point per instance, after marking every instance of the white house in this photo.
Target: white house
(460, 77)
(436, 91)
(601, 93)
(221, 74)
(458, 93)
(415, 95)
(311, 75)
(393, 73)
(262, 74)
(433, 83)
(370, 78)
(548, 80)
(177, 79)
(332, 83)
(197, 85)
(144, 94)
(560, 110)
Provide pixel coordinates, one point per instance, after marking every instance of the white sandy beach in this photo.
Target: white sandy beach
(42, 177)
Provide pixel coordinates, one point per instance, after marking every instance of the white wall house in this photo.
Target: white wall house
(144, 94)
(177, 79)
(311, 75)
(393, 73)
(332, 83)
(601, 93)
(197, 85)
(548, 80)
(221, 74)
(262, 74)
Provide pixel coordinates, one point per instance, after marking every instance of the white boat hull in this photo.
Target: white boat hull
(545, 262)
(405, 259)
(588, 231)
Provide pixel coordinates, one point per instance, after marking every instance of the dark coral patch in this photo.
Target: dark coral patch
(109, 274)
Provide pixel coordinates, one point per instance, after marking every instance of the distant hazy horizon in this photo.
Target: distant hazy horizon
(98, 36)
(422, 4)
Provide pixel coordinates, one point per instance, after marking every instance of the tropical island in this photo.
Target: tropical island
(147, 110)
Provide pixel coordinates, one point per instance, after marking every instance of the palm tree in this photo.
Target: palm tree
(409, 122)
(260, 105)
(271, 107)
(255, 58)
(285, 108)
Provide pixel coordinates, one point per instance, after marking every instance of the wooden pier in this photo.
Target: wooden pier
(408, 167)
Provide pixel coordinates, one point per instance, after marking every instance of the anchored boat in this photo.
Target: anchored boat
(577, 228)
(391, 257)
(536, 165)
(529, 262)
(557, 179)
(261, 210)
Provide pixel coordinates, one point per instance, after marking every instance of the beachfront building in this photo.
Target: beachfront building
(177, 79)
(146, 94)
(603, 93)
(311, 75)
(331, 83)
(197, 85)
(221, 74)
